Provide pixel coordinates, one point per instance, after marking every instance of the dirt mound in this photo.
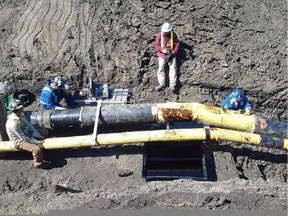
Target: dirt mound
(224, 45)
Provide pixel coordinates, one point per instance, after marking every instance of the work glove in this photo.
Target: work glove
(66, 88)
(165, 51)
(37, 135)
(233, 101)
(40, 143)
(59, 108)
(247, 112)
(168, 56)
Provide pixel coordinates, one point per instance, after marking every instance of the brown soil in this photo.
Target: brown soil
(224, 44)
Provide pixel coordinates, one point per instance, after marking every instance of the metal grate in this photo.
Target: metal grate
(174, 160)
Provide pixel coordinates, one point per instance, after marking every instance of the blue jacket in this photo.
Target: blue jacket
(50, 98)
(243, 104)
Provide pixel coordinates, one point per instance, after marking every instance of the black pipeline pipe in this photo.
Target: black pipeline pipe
(85, 116)
(268, 126)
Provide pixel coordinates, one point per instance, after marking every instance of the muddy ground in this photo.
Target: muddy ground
(224, 45)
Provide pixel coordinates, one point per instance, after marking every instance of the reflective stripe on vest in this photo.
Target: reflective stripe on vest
(49, 90)
(171, 41)
(14, 117)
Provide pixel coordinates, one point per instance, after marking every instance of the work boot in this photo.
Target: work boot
(172, 88)
(44, 165)
(159, 88)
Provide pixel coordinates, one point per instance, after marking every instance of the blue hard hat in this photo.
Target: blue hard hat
(16, 104)
(59, 81)
(237, 93)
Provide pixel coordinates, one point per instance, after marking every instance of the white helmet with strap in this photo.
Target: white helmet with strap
(166, 27)
(59, 81)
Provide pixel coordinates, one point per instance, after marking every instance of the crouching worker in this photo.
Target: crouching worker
(53, 92)
(23, 135)
(237, 101)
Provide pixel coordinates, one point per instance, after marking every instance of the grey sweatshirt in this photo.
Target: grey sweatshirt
(19, 130)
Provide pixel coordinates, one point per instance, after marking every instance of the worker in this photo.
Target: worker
(167, 46)
(53, 92)
(23, 135)
(237, 101)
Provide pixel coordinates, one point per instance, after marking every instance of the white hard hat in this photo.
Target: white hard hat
(59, 81)
(166, 27)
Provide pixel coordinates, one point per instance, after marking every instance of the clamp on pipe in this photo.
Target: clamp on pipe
(94, 137)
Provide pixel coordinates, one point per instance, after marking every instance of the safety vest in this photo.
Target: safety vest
(171, 41)
(13, 117)
(23, 124)
(46, 88)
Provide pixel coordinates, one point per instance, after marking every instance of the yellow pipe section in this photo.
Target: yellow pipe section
(215, 116)
(208, 115)
(216, 134)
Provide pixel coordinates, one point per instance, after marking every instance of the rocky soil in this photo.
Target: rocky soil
(224, 45)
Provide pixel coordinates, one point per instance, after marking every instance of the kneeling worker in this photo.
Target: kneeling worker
(23, 135)
(237, 101)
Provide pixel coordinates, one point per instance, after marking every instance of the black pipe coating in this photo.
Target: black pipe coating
(271, 142)
(270, 127)
(85, 116)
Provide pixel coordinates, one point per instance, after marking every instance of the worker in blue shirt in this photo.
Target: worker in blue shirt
(53, 93)
(237, 101)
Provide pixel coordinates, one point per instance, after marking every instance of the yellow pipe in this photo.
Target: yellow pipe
(215, 116)
(159, 135)
(209, 115)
